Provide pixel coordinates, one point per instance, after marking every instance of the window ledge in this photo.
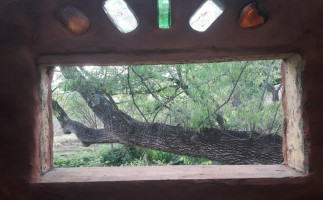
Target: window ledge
(145, 173)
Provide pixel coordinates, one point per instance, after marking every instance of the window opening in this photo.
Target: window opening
(205, 113)
(204, 17)
(121, 15)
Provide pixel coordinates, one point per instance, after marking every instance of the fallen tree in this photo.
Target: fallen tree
(225, 146)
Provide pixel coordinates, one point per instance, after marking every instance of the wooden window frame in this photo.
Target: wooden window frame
(295, 148)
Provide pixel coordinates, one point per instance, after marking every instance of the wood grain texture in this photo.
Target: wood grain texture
(146, 173)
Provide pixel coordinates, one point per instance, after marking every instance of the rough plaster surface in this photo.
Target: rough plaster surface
(45, 133)
(29, 29)
(294, 123)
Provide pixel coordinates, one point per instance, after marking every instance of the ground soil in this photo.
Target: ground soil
(66, 145)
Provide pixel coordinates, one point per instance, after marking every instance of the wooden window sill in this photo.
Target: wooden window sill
(154, 173)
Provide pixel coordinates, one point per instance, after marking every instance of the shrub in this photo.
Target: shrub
(127, 156)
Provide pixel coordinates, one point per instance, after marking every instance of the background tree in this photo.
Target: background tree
(216, 110)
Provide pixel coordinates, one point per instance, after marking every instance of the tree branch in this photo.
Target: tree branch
(146, 86)
(85, 134)
(132, 96)
(274, 118)
(265, 87)
(119, 113)
(228, 99)
(166, 102)
(103, 108)
(239, 147)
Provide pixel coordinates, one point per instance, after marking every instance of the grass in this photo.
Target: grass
(121, 155)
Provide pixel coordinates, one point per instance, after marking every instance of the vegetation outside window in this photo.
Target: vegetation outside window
(207, 113)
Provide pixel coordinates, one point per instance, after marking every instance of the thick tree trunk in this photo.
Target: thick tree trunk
(229, 147)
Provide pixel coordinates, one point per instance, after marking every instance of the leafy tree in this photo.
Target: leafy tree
(217, 111)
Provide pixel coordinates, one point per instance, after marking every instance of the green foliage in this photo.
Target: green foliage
(187, 95)
(82, 160)
(119, 156)
(159, 156)
(188, 160)
(127, 156)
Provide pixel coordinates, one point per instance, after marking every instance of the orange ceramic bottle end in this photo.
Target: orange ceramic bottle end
(74, 20)
(253, 15)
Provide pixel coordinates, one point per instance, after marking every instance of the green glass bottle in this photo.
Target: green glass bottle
(164, 14)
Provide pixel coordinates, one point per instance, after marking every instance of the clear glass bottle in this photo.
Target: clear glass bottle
(121, 15)
(205, 15)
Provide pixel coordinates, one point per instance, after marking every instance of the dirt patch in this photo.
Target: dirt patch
(68, 145)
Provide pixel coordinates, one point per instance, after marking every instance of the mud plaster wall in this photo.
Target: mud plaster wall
(293, 124)
(45, 126)
(30, 34)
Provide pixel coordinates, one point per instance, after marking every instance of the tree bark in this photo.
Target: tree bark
(229, 147)
(274, 91)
